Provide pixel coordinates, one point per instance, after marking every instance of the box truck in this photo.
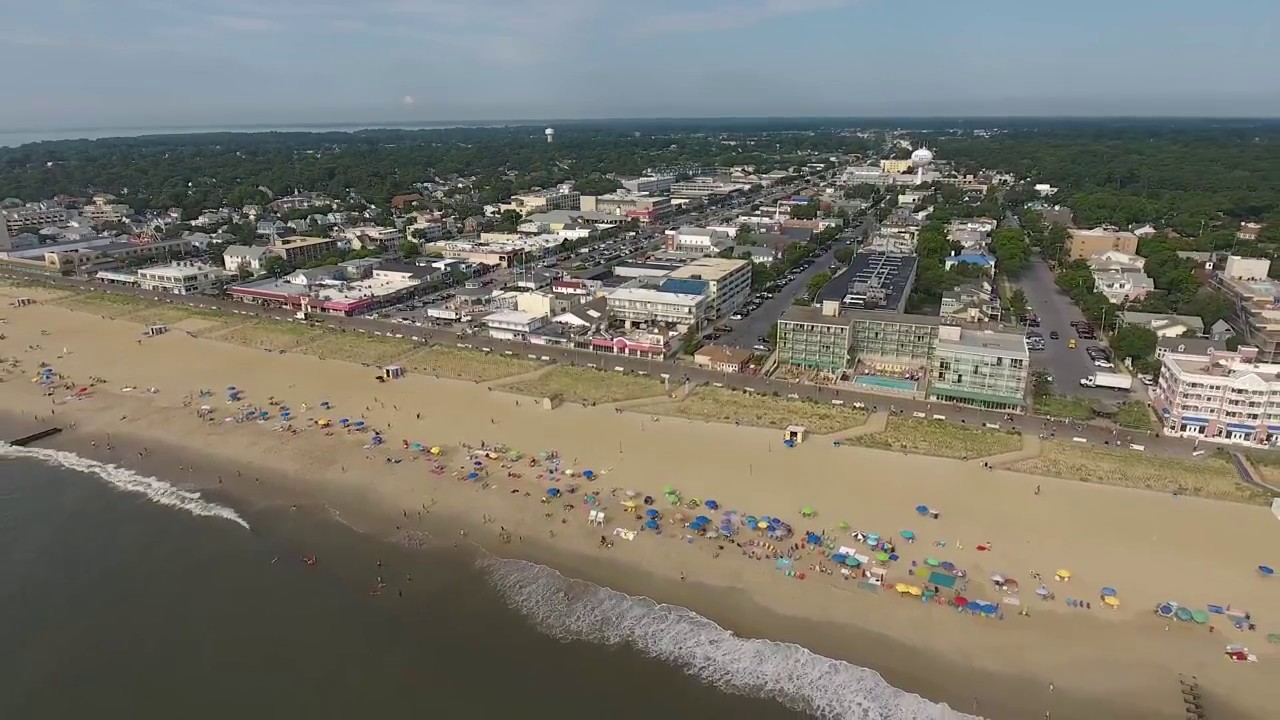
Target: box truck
(1115, 381)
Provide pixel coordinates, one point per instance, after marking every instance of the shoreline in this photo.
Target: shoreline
(1085, 654)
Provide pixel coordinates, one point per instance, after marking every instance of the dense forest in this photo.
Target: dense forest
(195, 172)
(1193, 178)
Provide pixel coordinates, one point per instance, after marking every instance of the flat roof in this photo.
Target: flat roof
(813, 316)
(302, 241)
(987, 342)
(711, 269)
(890, 275)
(659, 296)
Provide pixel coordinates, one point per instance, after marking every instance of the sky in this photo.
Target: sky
(208, 63)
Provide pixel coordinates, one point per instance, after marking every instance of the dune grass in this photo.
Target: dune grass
(1208, 477)
(358, 347)
(714, 404)
(274, 336)
(463, 364)
(940, 438)
(583, 385)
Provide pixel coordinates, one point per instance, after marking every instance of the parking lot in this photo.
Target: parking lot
(1056, 312)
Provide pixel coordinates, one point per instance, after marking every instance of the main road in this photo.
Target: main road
(1056, 312)
(747, 332)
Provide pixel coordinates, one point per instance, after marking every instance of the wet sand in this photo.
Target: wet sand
(1151, 547)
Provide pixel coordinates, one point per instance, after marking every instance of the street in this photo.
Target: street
(748, 332)
(1056, 312)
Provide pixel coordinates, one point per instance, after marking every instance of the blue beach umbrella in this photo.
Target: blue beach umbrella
(476, 476)
(712, 505)
(839, 558)
(651, 513)
(702, 519)
(922, 509)
(652, 524)
(1266, 570)
(344, 421)
(588, 474)
(551, 492)
(1108, 592)
(359, 423)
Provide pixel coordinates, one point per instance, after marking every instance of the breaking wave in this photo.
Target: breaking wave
(155, 489)
(570, 609)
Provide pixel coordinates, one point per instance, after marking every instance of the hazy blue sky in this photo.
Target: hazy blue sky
(88, 63)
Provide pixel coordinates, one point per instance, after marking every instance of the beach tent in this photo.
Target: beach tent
(945, 580)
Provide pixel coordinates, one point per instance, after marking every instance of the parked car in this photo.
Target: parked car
(1053, 335)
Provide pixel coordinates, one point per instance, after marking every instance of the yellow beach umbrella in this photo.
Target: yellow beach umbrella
(628, 504)
(901, 587)
(914, 590)
(1111, 600)
(436, 450)
(762, 525)
(1064, 574)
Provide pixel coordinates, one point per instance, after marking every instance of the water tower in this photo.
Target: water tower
(921, 159)
(551, 134)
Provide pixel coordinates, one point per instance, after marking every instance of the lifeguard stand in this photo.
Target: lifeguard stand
(23, 302)
(156, 330)
(393, 372)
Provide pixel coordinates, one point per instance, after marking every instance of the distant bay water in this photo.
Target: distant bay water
(14, 138)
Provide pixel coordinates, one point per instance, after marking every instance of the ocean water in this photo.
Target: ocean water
(126, 597)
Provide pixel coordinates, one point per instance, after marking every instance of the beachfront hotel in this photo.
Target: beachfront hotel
(913, 355)
(979, 368)
(1220, 395)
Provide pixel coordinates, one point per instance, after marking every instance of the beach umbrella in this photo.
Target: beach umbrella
(651, 513)
(712, 505)
(762, 525)
(633, 493)
(478, 463)
(1042, 591)
(629, 505)
(588, 474)
(751, 520)
(1183, 614)
(1064, 574)
(702, 519)
(997, 578)
(436, 450)
(922, 509)
(806, 511)
(882, 556)
(839, 558)
(908, 535)
(1200, 616)
(229, 387)
(913, 590)
(1108, 592)
(1111, 601)
(852, 562)
(813, 538)
(947, 565)
(1266, 570)
(551, 492)
(652, 524)
(590, 499)
(359, 423)
(1164, 609)
(344, 421)
(648, 500)
(931, 562)
(844, 524)
(1273, 637)
(989, 608)
(960, 601)
(476, 476)
(668, 490)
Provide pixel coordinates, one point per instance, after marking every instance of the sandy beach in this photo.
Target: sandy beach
(1099, 662)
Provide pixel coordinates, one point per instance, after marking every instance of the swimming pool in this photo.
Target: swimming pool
(890, 384)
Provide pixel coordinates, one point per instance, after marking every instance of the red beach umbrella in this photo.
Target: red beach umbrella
(960, 601)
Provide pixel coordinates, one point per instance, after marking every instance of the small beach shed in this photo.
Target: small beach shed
(156, 330)
(393, 372)
(795, 433)
(23, 302)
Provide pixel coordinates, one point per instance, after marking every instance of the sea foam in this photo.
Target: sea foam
(570, 609)
(155, 489)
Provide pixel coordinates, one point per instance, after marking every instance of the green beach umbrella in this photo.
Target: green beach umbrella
(806, 511)
(931, 562)
(852, 561)
(882, 556)
(844, 524)
(1200, 616)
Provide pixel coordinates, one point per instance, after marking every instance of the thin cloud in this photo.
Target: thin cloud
(733, 16)
(243, 23)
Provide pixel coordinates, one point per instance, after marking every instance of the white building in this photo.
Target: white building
(35, 215)
(728, 283)
(513, 324)
(563, 197)
(649, 184)
(645, 306)
(1117, 260)
(696, 239)
(1122, 287)
(238, 257)
(181, 278)
(103, 212)
(1223, 396)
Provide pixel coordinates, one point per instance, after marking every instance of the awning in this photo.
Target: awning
(1238, 427)
(948, 393)
(1193, 420)
(1273, 429)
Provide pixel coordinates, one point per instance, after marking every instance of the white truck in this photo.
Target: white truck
(1115, 381)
